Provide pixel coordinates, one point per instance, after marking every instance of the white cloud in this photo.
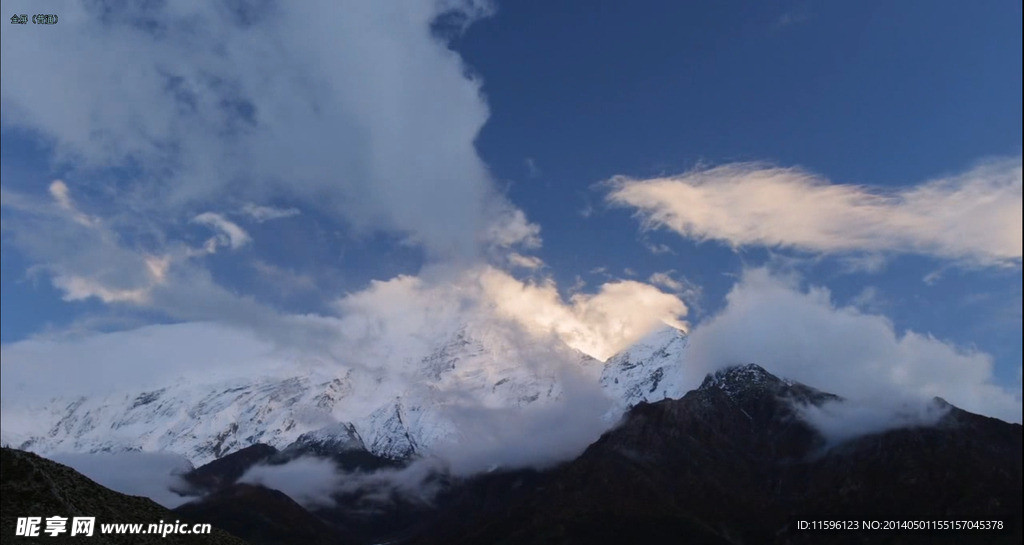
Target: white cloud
(359, 111)
(803, 335)
(82, 254)
(536, 435)
(59, 192)
(62, 196)
(525, 261)
(665, 280)
(42, 367)
(309, 481)
(150, 474)
(932, 277)
(418, 310)
(658, 248)
(511, 228)
(77, 288)
(841, 420)
(869, 300)
(598, 324)
(973, 216)
(261, 213)
(230, 234)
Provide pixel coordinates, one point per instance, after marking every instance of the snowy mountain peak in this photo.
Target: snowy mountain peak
(389, 435)
(745, 382)
(733, 380)
(338, 437)
(650, 370)
(340, 407)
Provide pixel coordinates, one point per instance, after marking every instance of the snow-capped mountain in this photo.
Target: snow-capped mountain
(649, 370)
(200, 420)
(392, 416)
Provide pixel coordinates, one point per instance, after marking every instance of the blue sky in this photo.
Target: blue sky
(612, 164)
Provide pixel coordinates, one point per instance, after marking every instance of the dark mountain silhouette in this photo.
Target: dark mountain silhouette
(228, 469)
(263, 516)
(35, 486)
(731, 462)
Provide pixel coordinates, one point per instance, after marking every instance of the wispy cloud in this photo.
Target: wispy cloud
(790, 19)
(62, 196)
(229, 233)
(972, 217)
(665, 280)
(284, 279)
(261, 213)
(525, 261)
(82, 254)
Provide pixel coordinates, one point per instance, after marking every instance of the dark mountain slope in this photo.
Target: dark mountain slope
(229, 468)
(263, 516)
(35, 486)
(731, 462)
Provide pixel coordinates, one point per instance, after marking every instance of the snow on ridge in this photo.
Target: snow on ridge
(205, 418)
(650, 370)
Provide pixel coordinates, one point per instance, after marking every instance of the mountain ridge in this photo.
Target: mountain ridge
(206, 420)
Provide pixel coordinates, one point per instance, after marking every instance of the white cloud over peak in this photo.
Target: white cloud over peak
(973, 216)
(803, 335)
(598, 324)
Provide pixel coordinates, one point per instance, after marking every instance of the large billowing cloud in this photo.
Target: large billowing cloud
(419, 310)
(598, 324)
(803, 335)
(177, 119)
(357, 109)
(972, 216)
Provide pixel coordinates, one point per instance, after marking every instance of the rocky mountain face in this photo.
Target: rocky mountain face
(203, 419)
(732, 462)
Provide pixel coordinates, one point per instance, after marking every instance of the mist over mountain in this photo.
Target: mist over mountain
(473, 402)
(738, 459)
(730, 462)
